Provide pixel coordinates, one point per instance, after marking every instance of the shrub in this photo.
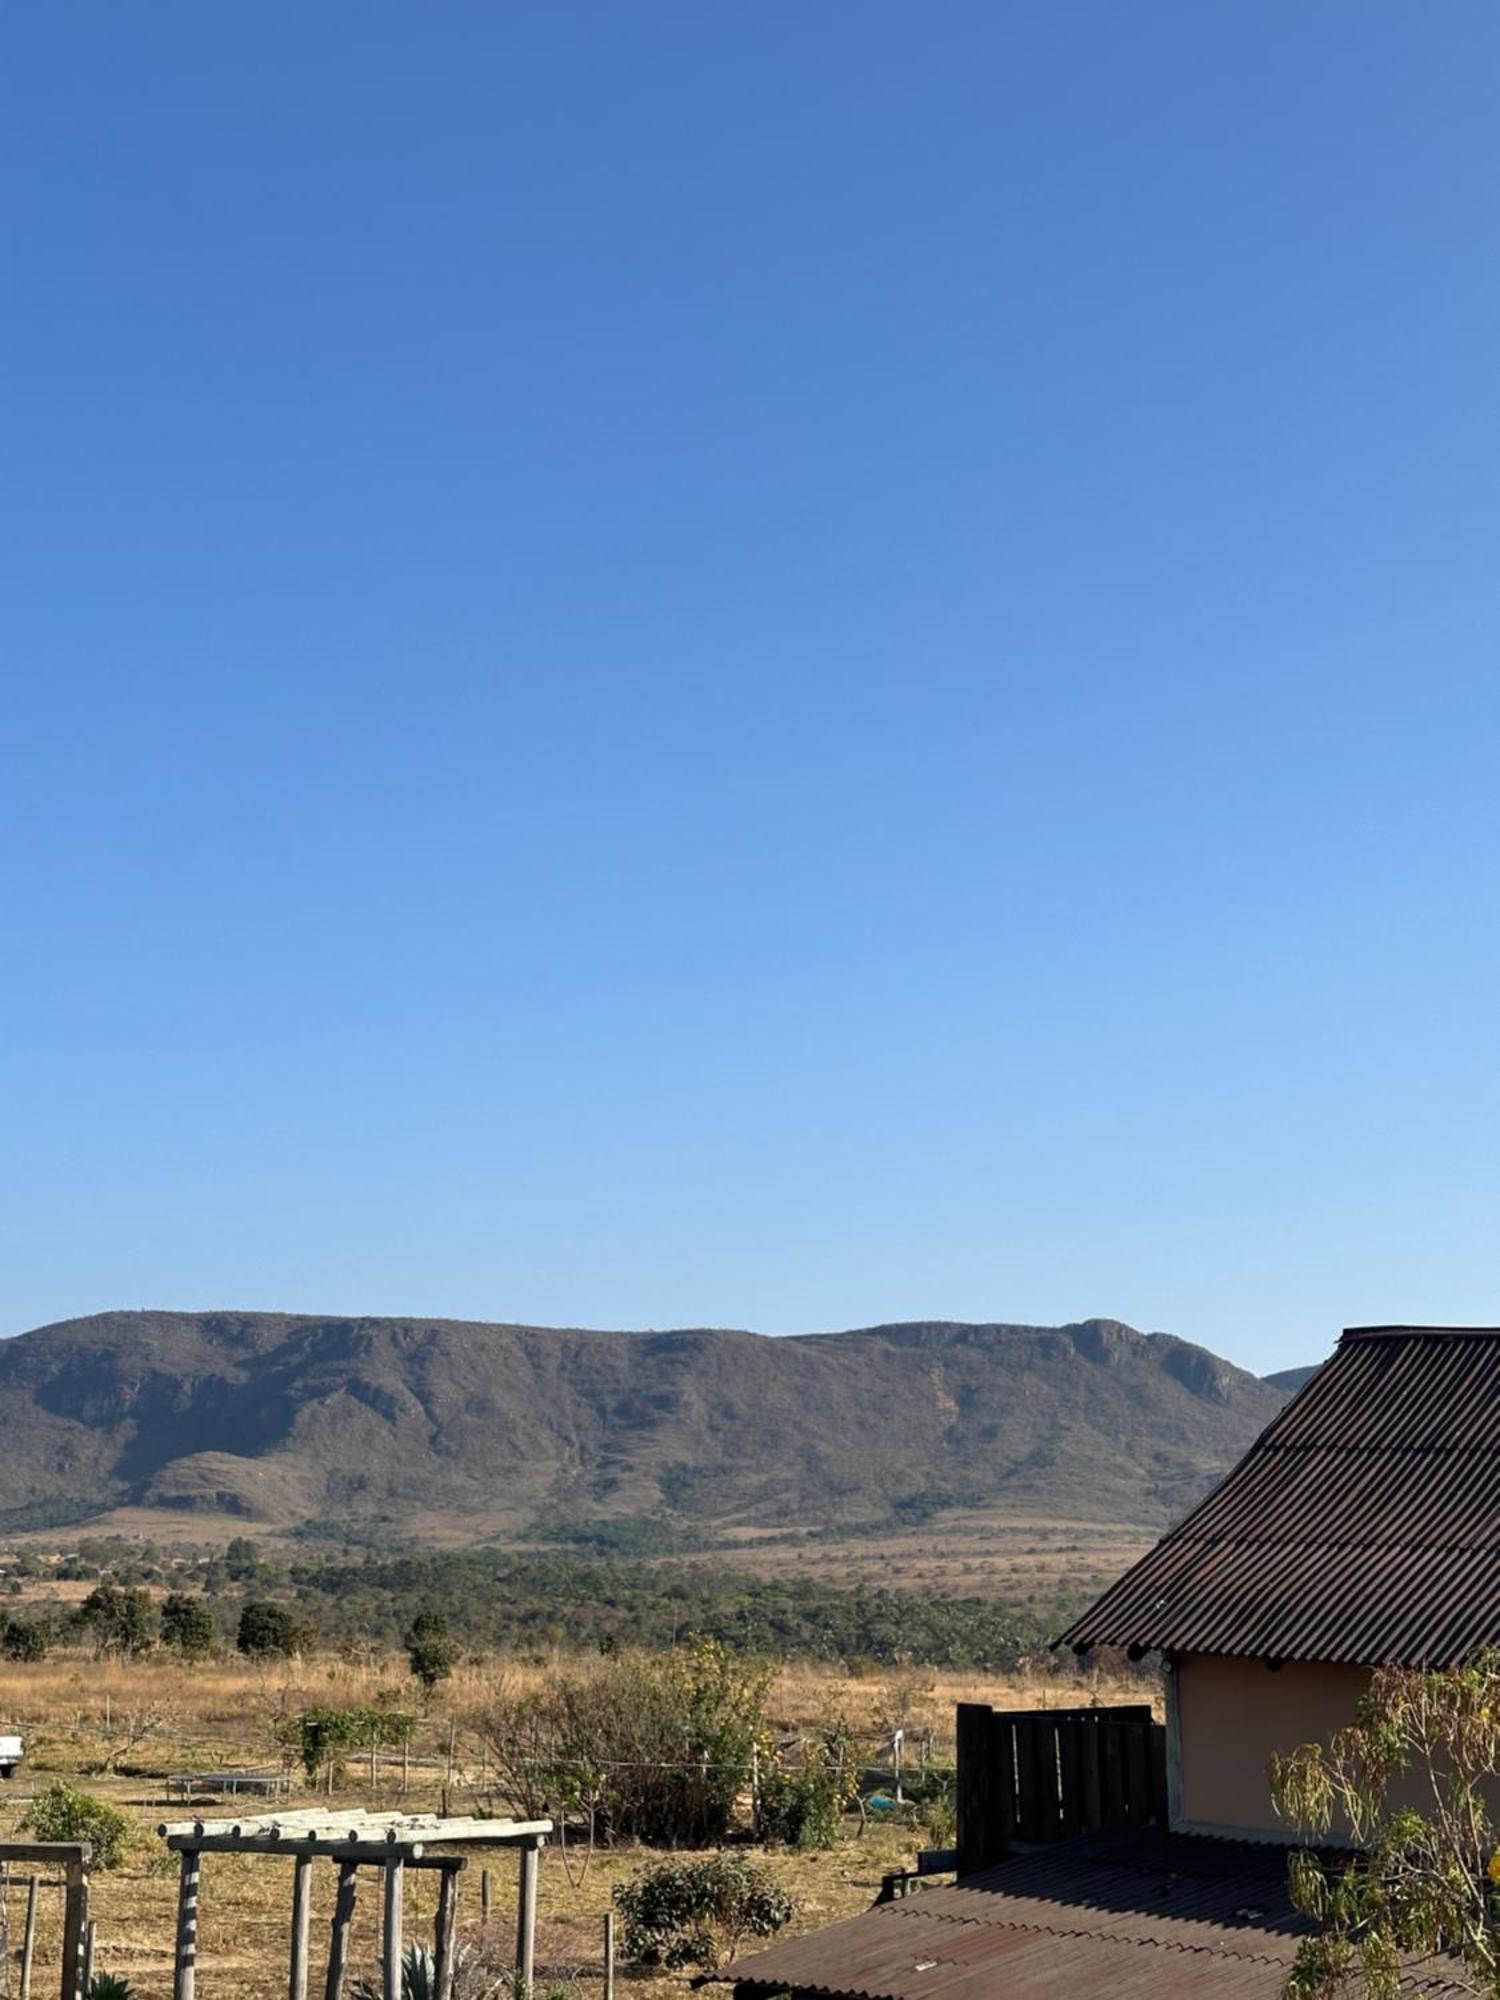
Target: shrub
(266, 1631)
(62, 1812)
(187, 1625)
(24, 1640)
(804, 1805)
(682, 1913)
(655, 1749)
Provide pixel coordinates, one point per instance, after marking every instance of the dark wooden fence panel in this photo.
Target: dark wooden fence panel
(1036, 1775)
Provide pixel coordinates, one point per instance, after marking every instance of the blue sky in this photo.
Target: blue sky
(765, 664)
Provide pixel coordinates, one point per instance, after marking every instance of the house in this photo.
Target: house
(1361, 1529)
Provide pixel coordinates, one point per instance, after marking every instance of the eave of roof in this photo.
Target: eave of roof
(1362, 1527)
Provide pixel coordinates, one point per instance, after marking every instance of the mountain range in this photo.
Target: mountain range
(452, 1430)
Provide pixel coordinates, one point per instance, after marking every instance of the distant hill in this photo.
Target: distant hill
(1292, 1379)
(456, 1430)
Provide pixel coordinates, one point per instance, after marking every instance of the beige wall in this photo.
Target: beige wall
(1233, 1716)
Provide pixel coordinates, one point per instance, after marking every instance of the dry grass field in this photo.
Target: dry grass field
(119, 1729)
(1012, 1559)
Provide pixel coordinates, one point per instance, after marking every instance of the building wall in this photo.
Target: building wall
(1229, 1717)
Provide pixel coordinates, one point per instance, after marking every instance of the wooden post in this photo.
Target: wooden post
(75, 1916)
(301, 1918)
(28, 1948)
(185, 1971)
(86, 1977)
(484, 1895)
(526, 1918)
(452, 1741)
(406, 1763)
(609, 1955)
(390, 1954)
(443, 1928)
(338, 1942)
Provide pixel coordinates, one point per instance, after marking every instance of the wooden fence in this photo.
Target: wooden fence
(1034, 1775)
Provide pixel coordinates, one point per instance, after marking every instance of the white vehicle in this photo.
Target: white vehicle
(10, 1755)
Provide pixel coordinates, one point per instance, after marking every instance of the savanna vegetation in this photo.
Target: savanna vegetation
(715, 1751)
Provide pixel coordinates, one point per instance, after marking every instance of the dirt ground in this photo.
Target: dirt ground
(119, 1730)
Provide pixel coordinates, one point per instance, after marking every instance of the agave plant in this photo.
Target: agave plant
(418, 1977)
(110, 1986)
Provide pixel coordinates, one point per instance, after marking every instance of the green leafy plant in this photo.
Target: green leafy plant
(682, 1913)
(1408, 1786)
(62, 1812)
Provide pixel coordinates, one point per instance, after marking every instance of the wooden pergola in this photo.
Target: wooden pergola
(391, 1842)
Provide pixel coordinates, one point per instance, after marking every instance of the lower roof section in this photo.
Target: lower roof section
(1146, 1914)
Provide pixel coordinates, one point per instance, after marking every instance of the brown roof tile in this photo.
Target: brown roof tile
(1363, 1526)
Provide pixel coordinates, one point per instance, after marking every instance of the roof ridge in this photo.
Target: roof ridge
(1396, 1331)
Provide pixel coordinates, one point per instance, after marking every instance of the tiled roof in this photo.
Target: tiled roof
(1363, 1526)
(1168, 1916)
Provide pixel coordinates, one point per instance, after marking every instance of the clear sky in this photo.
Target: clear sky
(778, 664)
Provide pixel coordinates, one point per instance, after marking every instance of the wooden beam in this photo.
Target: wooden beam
(185, 1966)
(301, 1919)
(337, 1849)
(338, 1943)
(391, 1941)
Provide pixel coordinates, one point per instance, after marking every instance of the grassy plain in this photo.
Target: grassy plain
(119, 1729)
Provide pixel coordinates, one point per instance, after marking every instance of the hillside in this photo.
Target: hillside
(451, 1429)
(1292, 1379)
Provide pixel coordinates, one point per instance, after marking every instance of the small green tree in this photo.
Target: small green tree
(1406, 1784)
(266, 1631)
(323, 1737)
(119, 1620)
(430, 1649)
(62, 1812)
(25, 1640)
(187, 1625)
(242, 1560)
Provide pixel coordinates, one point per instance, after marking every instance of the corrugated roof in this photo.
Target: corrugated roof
(1161, 1915)
(1362, 1527)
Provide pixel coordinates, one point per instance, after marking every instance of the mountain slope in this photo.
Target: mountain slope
(444, 1425)
(1292, 1379)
